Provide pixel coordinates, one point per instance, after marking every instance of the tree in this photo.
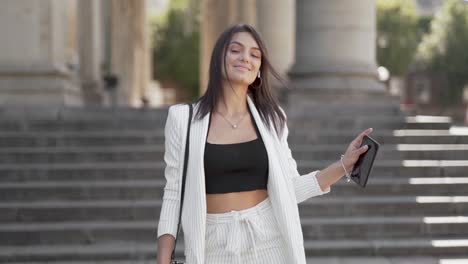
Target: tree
(176, 49)
(397, 34)
(444, 48)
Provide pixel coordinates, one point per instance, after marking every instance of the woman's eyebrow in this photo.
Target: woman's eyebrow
(238, 43)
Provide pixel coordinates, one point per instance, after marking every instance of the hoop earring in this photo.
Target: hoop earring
(257, 85)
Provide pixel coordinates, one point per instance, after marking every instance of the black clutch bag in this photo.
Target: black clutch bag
(363, 166)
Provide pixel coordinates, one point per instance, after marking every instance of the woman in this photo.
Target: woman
(242, 186)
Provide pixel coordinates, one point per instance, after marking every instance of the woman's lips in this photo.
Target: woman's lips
(242, 68)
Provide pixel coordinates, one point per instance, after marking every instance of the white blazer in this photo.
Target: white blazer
(286, 187)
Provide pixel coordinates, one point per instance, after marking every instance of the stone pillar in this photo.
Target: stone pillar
(216, 17)
(242, 11)
(130, 50)
(90, 33)
(37, 54)
(277, 25)
(335, 49)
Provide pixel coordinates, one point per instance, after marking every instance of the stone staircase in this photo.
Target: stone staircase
(85, 186)
(415, 205)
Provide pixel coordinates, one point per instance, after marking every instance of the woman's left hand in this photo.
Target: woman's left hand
(355, 150)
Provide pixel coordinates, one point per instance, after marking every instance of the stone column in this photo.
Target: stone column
(335, 49)
(216, 17)
(277, 25)
(130, 50)
(90, 33)
(242, 11)
(37, 55)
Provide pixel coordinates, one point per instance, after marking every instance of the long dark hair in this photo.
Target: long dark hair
(264, 97)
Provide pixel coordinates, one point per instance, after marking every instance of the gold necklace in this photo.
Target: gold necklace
(234, 126)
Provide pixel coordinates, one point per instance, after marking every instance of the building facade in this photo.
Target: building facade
(94, 53)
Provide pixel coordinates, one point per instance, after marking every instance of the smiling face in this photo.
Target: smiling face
(243, 59)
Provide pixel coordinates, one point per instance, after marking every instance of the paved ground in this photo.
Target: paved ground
(353, 260)
(422, 260)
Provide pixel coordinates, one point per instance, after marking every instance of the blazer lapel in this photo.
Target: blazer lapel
(276, 180)
(280, 190)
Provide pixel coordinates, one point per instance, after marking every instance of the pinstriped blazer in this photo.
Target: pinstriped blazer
(286, 187)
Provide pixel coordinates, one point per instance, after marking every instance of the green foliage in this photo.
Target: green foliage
(397, 34)
(445, 48)
(178, 4)
(424, 24)
(176, 51)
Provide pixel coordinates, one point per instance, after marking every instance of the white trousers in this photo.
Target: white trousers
(247, 236)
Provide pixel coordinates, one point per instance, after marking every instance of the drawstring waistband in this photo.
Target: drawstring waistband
(238, 219)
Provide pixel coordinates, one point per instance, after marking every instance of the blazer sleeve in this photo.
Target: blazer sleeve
(305, 186)
(169, 214)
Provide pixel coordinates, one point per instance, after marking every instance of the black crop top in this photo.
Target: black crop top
(236, 167)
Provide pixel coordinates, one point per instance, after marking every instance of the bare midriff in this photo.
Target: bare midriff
(226, 202)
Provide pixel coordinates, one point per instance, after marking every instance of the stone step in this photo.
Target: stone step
(85, 210)
(384, 206)
(79, 172)
(325, 110)
(311, 260)
(322, 102)
(149, 124)
(385, 137)
(82, 138)
(82, 190)
(155, 170)
(153, 189)
(119, 170)
(355, 112)
(376, 124)
(389, 122)
(348, 124)
(8, 142)
(428, 122)
(23, 121)
(82, 154)
(89, 113)
(431, 151)
(82, 232)
(154, 153)
(326, 228)
(426, 125)
(85, 232)
(111, 251)
(420, 249)
(41, 119)
(80, 125)
(386, 152)
(117, 141)
(382, 102)
(435, 186)
(395, 168)
(436, 246)
(385, 260)
(156, 137)
(80, 113)
(443, 246)
(59, 210)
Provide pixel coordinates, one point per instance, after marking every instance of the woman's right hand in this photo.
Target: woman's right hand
(355, 150)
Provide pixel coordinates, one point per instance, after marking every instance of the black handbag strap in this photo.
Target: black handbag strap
(184, 175)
